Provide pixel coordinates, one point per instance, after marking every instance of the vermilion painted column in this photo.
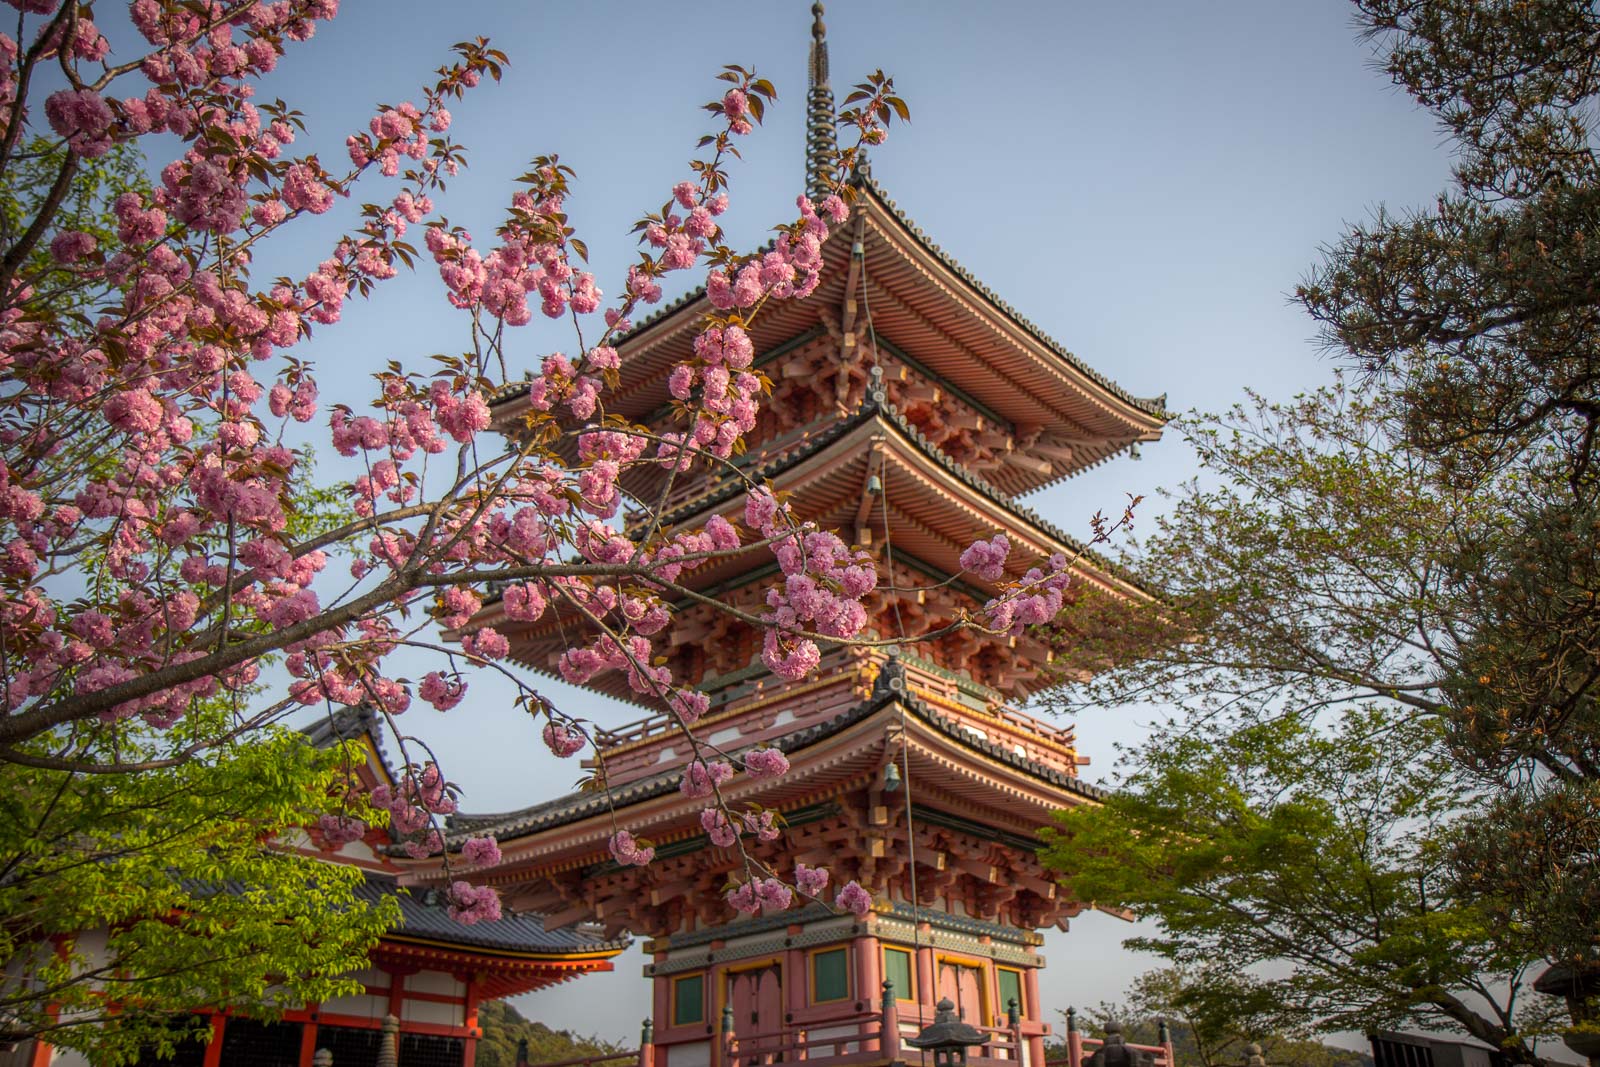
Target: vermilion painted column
(869, 976)
(308, 1038)
(796, 982)
(397, 994)
(1030, 996)
(927, 977)
(869, 972)
(40, 1056)
(469, 1019)
(662, 996)
(214, 1047)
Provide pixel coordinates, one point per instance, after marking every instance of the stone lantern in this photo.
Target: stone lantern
(1579, 986)
(948, 1038)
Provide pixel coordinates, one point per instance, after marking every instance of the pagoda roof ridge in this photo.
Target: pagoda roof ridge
(424, 917)
(889, 688)
(1156, 406)
(873, 405)
(862, 179)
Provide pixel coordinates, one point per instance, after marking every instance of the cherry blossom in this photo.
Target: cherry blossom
(854, 899)
(162, 551)
(481, 851)
(810, 881)
(766, 763)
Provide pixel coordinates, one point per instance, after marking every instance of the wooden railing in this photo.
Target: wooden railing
(874, 1037)
(923, 676)
(861, 1038)
(1079, 1048)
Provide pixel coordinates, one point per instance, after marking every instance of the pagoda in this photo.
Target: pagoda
(911, 408)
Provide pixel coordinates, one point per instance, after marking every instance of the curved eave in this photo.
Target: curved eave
(1147, 412)
(958, 327)
(990, 507)
(496, 975)
(952, 506)
(822, 751)
(577, 961)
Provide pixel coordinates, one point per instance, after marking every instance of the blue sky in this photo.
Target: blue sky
(1144, 181)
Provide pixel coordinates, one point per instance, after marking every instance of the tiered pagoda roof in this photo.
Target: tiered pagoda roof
(981, 794)
(901, 367)
(910, 408)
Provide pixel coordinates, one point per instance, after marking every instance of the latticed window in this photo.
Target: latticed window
(425, 1050)
(247, 1043)
(351, 1046)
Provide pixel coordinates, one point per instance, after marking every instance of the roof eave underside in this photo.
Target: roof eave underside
(1143, 418)
(515, 825)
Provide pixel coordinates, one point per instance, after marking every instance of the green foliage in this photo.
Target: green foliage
(1482, 319)
(145, 897)
(1320, 852)
(24, 183)
(1432, 543)
(1483, 313)
(503, 1026)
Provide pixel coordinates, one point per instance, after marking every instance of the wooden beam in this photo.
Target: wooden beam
(566, 918)
(1027, 462)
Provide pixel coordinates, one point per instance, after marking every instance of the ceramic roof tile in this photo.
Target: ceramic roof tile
(576, 806)
(424, 915)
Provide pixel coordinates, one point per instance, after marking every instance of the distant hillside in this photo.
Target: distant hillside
(503, 1026)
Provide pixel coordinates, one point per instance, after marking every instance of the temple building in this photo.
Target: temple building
(428, 972)
(911, 408)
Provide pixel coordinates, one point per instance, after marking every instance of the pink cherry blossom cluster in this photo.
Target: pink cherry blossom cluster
(157, 546)
(766, 763)
(339, 830)
(481, 851)
(422, 794)
(718, 827)
(1036, 598)
(987, 559)
(186, 492)
(810, 881)
(854, 899)
(469, 904)
(629, 852)
(770, 894)
(562, 739)
(821, 592)
(700, 779)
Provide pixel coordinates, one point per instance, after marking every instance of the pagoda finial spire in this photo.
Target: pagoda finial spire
(820, 138)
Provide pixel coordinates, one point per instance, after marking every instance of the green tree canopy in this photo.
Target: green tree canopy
(142, 898)
(1302, 877)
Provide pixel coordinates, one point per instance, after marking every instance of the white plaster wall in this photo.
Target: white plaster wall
(431, 1011)
(822, 1033)
(435, 982)
(362, 1005)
